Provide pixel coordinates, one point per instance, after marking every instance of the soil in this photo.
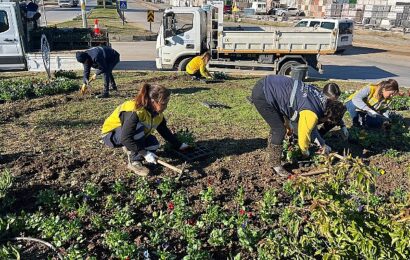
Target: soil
(65, 157)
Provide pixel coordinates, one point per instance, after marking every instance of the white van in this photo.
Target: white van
(67, 3)
(259, 7)
(344, 27)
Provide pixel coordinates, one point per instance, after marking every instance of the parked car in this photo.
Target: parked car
(69, 3)
(343, 26)
(290, 11)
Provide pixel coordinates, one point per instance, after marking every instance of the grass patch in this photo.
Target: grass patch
(109, 19)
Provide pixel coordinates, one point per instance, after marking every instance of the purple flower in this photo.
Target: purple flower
(360, 208)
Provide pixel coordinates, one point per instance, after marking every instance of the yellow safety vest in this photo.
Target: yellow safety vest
(150, 123)
(372, 99)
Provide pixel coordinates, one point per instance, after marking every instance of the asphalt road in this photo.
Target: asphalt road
(54, 14)
(137, 14)
(366, 64)
(358, 64)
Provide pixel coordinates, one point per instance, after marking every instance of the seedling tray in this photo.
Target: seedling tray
(194, 153)
(210, 104)
(209, 81)
(305, 163)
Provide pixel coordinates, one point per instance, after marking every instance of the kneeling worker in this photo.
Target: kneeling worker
(197, 66)
(367, 106)
(279, 98)
(132, 124)
(104, 59)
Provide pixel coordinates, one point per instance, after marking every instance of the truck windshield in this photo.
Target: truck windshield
(345, 28)
(183, 22)
(4, 23)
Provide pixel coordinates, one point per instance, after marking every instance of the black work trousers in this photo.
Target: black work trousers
(269, 113)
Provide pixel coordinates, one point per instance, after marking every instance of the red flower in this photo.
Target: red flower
(72, 215)
(291, 176)
(250, 215)
(170, 206)
(242, 212)
(127, 258)
(191, 222)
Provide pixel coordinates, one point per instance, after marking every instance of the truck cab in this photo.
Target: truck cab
(182, 35)
(11, 41)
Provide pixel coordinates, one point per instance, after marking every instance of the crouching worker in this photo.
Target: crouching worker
(132, 124)
(104, 59)
(332, 92)
(197, 67)
(367, 106)
(279, 98)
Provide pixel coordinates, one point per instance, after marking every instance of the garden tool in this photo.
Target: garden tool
(86, 86)
(169, 166)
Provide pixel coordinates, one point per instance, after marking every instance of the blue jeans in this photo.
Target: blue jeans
(113, 140)
(351, 108)
(363, 119)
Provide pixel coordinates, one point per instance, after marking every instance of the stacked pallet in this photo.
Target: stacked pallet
(402, 18)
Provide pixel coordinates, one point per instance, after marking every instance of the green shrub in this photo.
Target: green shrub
(69, 74)
(16, 89)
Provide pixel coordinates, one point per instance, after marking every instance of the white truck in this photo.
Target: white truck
(20, 42)
(186, 32)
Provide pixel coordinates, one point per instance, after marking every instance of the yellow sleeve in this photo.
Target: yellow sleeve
(203, 70)
(307, 122)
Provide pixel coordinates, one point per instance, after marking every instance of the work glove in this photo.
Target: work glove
(183, 147)
(387, 114)
(150, 157)
(372, 113)
(83, 89)
(93, 77)
(326, 149)
(345, 133)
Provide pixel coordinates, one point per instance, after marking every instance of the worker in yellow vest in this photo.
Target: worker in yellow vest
(132, 124)
(197, 66)
(367, 106)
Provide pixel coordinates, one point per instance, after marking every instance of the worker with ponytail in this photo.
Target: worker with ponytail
(132, 124)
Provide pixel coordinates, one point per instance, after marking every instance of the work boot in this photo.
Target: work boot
(275, 154)
(134, 164)
(138, 168)
(103, 95)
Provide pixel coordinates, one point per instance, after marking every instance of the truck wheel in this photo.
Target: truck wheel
(286, 68)
(182, 64)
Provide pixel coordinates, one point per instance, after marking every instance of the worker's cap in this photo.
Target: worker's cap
(81, 56)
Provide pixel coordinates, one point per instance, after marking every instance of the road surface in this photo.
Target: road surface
(54, 14)
(358, 64)
(137, 14)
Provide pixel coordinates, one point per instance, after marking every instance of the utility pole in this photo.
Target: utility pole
(44, 13)
(83, 13)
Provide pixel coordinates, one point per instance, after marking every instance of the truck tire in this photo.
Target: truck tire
(286, 67)
(183, 63)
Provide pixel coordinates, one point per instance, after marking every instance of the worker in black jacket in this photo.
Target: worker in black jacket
(103, 59)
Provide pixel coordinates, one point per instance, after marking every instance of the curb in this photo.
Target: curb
(133, 38)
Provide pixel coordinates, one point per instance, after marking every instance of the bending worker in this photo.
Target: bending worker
(197, 66)
(104, 59)
(366, 105)
(132, 124)
(279, 98)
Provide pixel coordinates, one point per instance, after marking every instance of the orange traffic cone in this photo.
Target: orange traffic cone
(96, 27)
